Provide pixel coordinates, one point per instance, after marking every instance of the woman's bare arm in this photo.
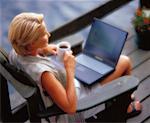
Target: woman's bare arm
(65, 98)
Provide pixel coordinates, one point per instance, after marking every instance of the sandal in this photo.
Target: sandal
(134, 109)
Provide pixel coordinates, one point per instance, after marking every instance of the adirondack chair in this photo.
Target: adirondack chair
(20, 113)
(115, 96)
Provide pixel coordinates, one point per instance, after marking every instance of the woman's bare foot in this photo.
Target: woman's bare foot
(134, 108)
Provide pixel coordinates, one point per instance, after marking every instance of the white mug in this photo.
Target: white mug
(62, 47)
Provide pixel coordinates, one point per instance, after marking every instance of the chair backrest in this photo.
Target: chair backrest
(5, 101)
(7, 113)
(17, 77)
(21, 81)
(14, 71)
(27, 87)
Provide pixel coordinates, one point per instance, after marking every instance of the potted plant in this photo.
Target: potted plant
(141, 23)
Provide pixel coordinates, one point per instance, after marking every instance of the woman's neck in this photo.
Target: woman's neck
(31, 53)
(34, 53)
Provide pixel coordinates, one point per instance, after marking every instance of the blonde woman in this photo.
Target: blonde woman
(29, 38)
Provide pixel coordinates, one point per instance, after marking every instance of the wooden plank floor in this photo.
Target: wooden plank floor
(140, 59)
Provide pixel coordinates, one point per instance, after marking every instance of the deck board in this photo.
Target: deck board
(130, 46)
(142, 71)
(143, 90)
(139, 56)
(147, 120)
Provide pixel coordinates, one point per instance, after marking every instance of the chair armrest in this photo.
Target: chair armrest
(108, 91)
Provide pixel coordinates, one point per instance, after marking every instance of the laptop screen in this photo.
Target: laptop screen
(105, 42)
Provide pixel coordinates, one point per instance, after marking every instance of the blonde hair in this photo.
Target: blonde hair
(24, 29)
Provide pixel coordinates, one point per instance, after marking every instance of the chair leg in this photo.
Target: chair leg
(6, 115)
(115, 110)
(33, 109)
(21, 115)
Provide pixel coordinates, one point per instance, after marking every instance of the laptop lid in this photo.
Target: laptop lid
(105, 42)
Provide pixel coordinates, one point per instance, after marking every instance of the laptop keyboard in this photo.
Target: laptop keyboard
(93, 64)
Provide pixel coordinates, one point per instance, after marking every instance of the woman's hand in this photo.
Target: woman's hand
(69, 61)
(51, 49)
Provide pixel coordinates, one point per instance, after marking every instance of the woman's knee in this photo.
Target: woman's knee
(126, 63)
(125, 60)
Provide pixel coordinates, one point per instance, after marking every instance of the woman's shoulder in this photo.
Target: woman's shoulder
(13, 58)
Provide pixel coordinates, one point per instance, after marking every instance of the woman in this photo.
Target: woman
(29, 38)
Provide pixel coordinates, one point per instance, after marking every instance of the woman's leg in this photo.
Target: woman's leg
(123, 68)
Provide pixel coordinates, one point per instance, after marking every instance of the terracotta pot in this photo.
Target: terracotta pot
(143, 40)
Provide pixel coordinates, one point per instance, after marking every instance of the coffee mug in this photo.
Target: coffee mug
(62, 47)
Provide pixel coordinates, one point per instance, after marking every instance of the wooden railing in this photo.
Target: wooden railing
(86, 19)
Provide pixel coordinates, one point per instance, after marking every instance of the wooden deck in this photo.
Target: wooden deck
(122, 18)
(140, 59)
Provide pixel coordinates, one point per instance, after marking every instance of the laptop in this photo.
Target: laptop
(101, 52)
